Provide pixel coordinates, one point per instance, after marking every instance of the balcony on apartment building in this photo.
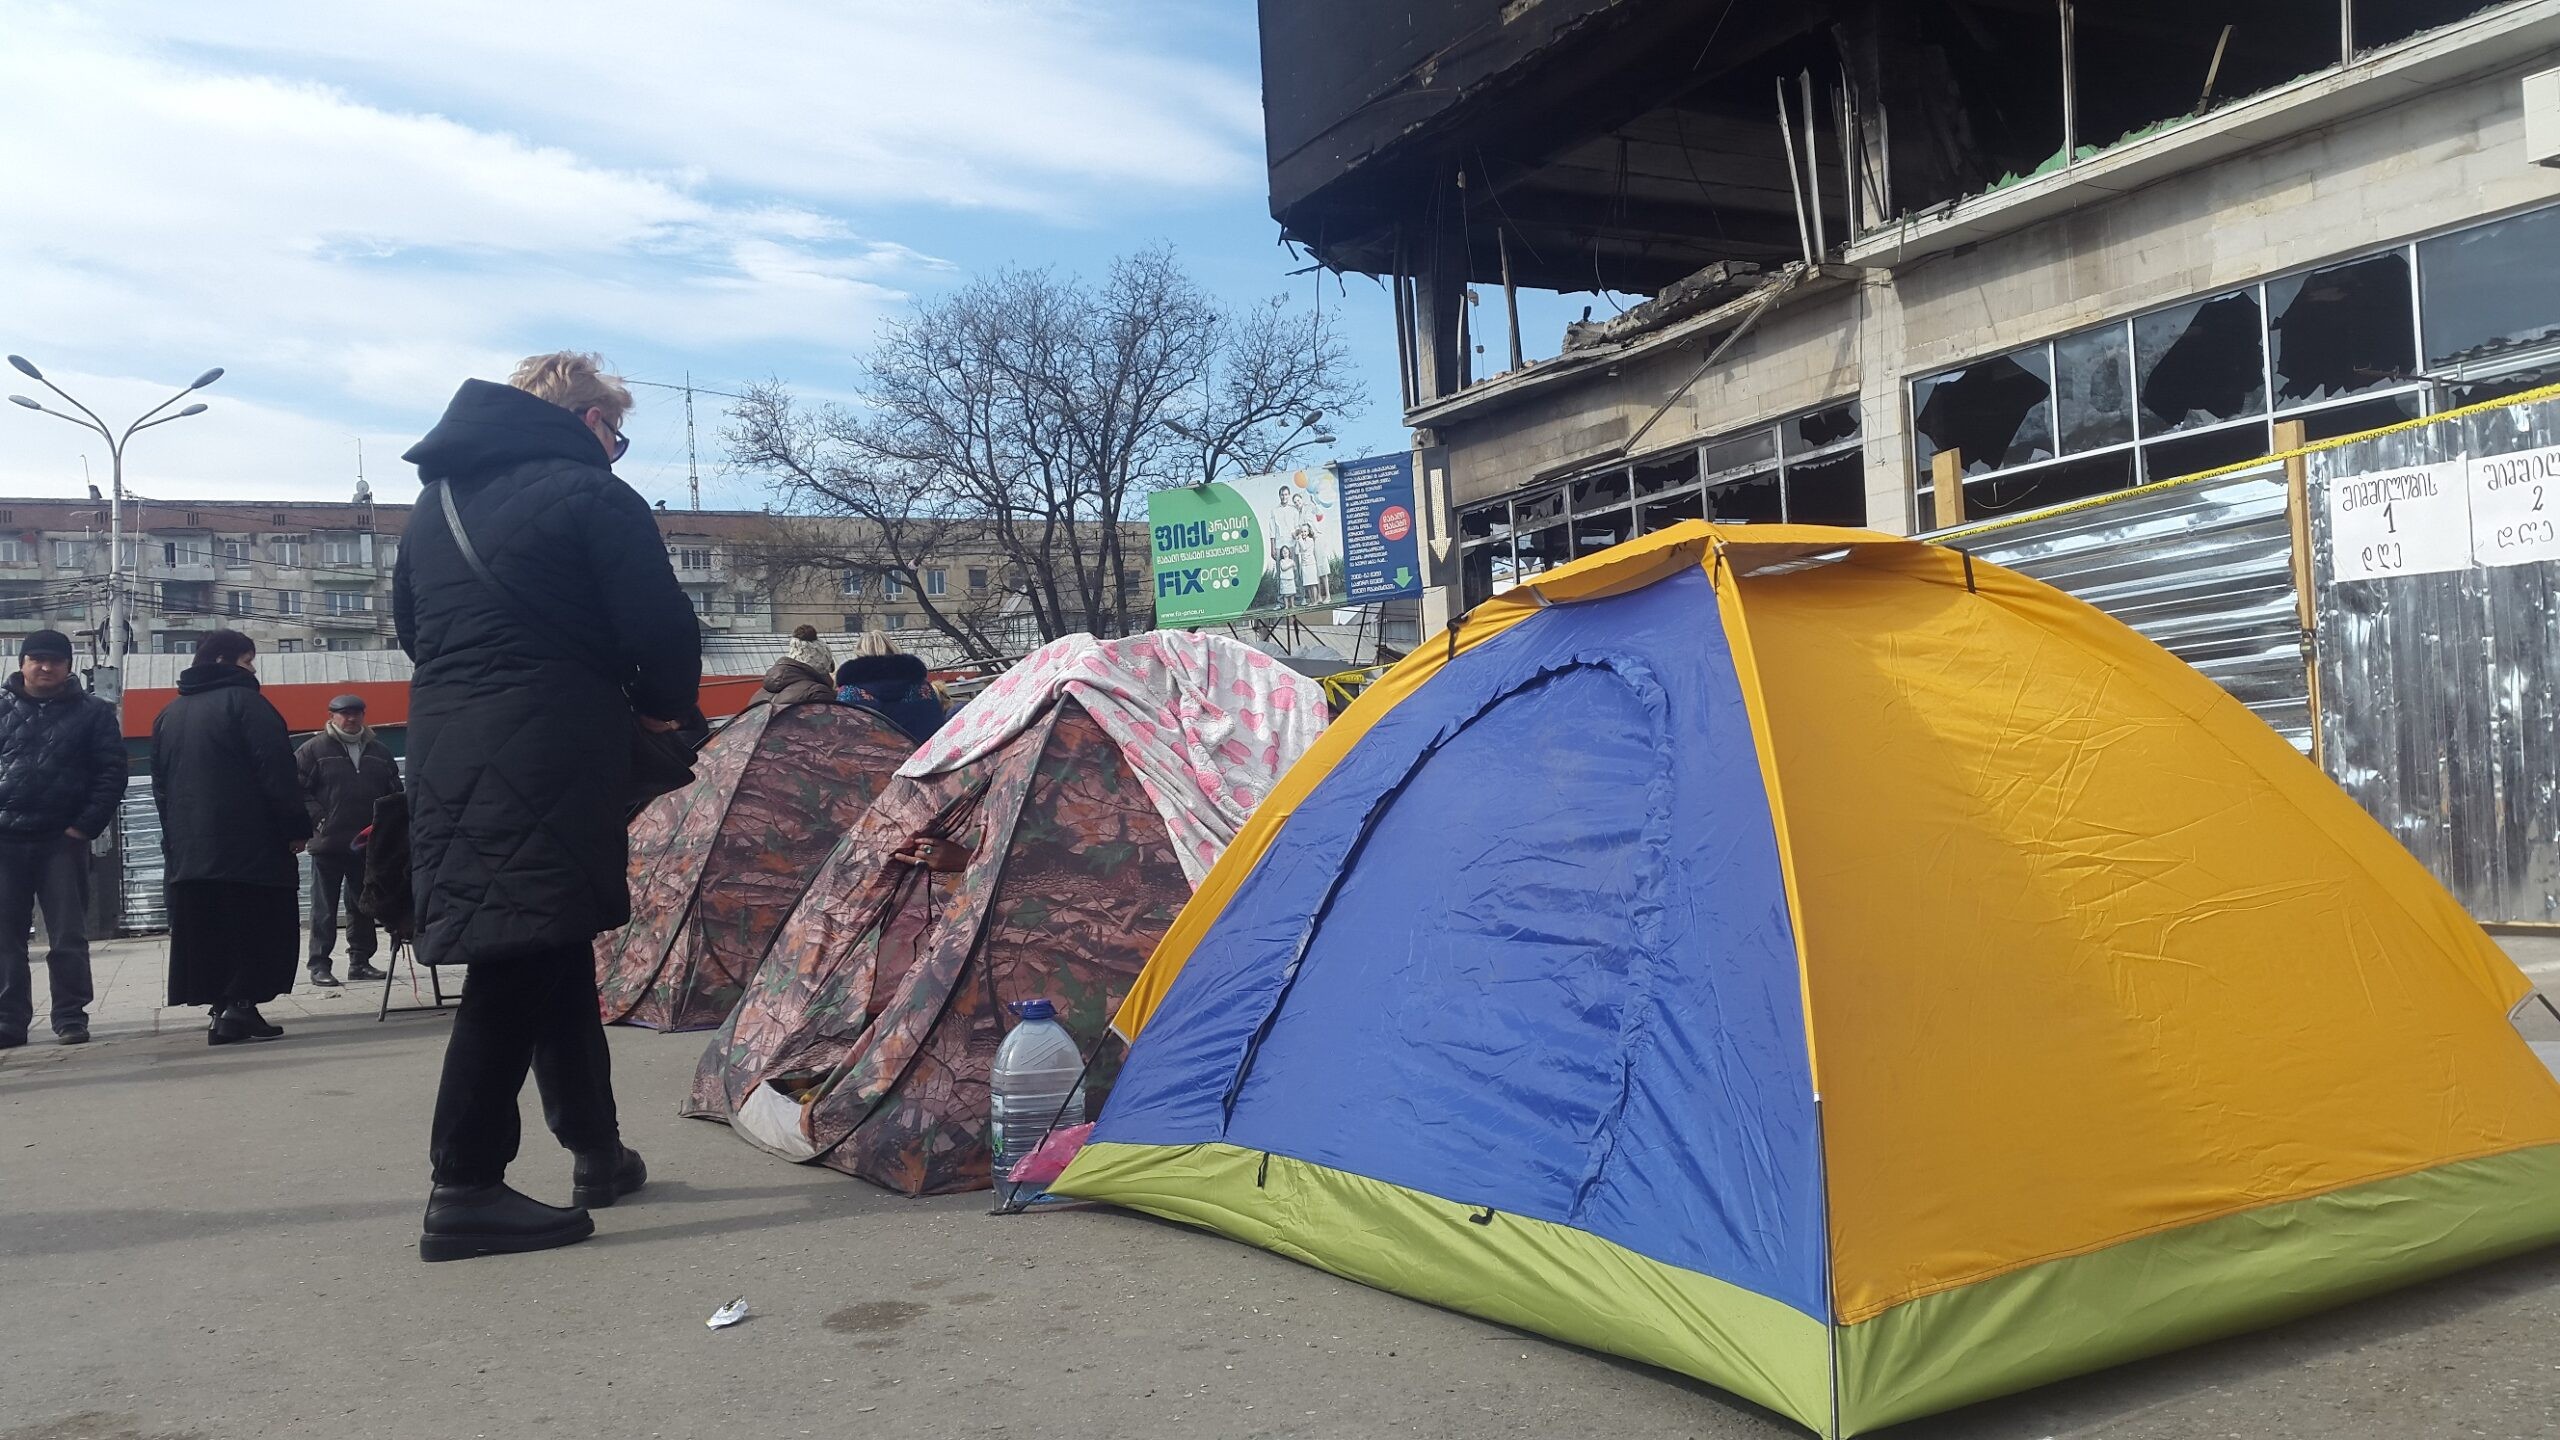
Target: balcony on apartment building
(185, 559)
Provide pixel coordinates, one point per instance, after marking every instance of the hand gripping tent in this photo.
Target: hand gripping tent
(1863, 979)
(1080, 797)
(717, 865)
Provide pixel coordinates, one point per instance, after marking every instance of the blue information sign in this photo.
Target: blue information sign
(1381, 549)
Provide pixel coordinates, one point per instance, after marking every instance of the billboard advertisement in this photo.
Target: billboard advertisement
(1233, 549)
(1381, 529)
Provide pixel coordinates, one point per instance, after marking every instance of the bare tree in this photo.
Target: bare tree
(1025, 417)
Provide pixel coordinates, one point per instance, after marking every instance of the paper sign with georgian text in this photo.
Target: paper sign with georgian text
(2392, 523)
(2515, 507)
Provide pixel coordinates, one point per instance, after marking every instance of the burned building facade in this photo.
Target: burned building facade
(1911, 263)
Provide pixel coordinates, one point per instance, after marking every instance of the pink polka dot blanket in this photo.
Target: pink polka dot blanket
(1207, 724)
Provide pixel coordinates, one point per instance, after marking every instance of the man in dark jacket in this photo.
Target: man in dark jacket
(520, 739)
(344, 771)
(231, 822)
(62, 770)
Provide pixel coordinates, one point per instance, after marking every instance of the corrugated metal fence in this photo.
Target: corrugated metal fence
(2441, 692)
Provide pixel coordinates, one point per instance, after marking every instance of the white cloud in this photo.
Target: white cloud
(353, 207)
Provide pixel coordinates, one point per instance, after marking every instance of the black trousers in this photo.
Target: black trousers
(339, 879)
(538, 1011)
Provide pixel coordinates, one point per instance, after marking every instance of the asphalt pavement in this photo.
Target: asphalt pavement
(200, 1244)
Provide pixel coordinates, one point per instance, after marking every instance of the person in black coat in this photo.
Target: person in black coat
(62, 771)
(895, 685)
(344, 771)
(231, 823)
(520, 737)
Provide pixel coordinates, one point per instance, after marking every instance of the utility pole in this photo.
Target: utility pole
(111, 675)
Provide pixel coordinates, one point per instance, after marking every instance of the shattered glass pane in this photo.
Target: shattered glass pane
(1743, 452)
(2020, 491)
(1752, 500)
(1996, 412)
(1829, 491)
(1822, 429)
(2388, 22)
(1595, 533)
(2195, 454)
(2093, 388)
(1607, 488)
(1537, 510)
(1667, 475)
(2491, 296)
(2342, 330)
(1475, 570)
(1544, 550)
(2361, 416)
(1485, 522)
(2201, 363)
(1663, 514)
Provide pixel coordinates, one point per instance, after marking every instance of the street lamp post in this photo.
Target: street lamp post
(112, 672)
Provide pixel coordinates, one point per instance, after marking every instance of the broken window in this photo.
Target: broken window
(1535, 510)
(2200, 363)
(1750, 500)
(2045, 485)
(1663, 514)
(1995, 413)
(1829, 491)
(2343, 330)
(1542, 549)
(2093, 388)
(1484, 552)
(2362, 415)
(1596, 532)
(2139, 70)
(1662, 477)
(2388, 22)
(2491, 298)
(1740, 454)
(2209, 450)
(1607, 488)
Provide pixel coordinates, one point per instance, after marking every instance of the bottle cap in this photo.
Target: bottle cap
(1035, 1009)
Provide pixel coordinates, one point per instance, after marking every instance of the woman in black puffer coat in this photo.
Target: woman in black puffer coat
(520, 768)
(231, 821)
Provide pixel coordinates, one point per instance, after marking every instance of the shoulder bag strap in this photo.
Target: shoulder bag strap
(517, 609)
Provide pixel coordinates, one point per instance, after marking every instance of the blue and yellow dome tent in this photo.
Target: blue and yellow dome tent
(1864, 979)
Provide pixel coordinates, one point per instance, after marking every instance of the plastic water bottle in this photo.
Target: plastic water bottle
(1038, 1079)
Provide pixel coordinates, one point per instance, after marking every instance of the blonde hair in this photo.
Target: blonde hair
(576, 381)
(876, 642)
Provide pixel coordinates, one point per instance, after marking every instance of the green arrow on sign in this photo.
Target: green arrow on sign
(1404, 576)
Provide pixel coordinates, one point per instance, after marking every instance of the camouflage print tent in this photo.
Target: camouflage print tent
(716, 866)
(865, 1039)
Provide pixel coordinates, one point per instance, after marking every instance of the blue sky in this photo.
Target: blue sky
(352, 206)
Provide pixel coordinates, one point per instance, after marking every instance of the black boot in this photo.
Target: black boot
(467, 1220)
(239, 1025)
(604, 1176)
(321, 977)
(363, 970)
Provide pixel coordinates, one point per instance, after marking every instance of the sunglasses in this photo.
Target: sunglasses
(621, 442)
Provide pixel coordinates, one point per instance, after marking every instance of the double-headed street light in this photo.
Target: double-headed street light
(112, 673)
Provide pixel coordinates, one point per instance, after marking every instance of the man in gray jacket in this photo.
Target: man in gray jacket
(344, 770)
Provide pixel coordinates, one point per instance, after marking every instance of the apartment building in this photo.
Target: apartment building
(297, 577)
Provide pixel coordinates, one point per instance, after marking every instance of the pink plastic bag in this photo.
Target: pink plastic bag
(1049, 1161)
